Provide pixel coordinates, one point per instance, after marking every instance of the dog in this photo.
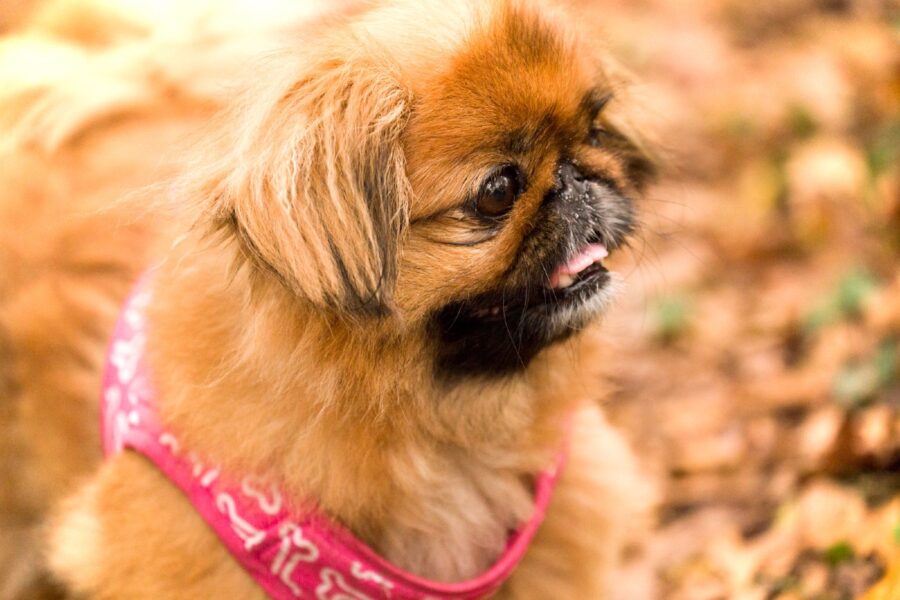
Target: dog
(370, 279)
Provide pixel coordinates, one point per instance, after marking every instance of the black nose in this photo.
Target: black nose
(570, 184)
(568, 175)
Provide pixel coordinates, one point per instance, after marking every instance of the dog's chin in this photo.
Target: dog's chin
(499, 333)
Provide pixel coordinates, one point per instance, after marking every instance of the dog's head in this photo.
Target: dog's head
(460, 170)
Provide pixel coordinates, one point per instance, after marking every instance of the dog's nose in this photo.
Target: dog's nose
(569, 178)
(567, 172)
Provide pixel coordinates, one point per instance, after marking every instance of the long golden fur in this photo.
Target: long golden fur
(301, 249)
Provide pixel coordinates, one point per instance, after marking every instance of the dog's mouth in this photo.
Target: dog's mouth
(500, 332)
(581, 269)
(574, 280)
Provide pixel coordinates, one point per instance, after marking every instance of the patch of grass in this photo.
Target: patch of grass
(860, 381)
(672, 316)
(854, 385)
(853, 290)
(801, 122)
(883, 150)
(838, 553)
(845, 301)
(886, 362)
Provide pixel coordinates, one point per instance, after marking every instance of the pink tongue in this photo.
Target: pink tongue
(589, 255)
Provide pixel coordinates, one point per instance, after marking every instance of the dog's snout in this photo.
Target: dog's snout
(587, 208)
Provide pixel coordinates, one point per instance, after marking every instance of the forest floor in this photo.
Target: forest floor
(753, 357)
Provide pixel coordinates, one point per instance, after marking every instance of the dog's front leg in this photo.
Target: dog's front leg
(130, 534)
(597, 502)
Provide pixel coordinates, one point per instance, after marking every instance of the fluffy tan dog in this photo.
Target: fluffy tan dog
(364, 287)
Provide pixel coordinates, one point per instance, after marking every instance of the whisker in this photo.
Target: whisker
(508, 330)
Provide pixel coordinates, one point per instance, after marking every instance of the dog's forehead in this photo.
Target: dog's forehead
(520, 72)
(519, 90)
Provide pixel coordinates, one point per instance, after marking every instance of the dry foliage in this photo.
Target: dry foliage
(755, 357)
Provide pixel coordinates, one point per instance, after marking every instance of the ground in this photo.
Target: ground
(753, 357)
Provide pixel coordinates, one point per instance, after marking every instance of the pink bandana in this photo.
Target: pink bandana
(290, 554)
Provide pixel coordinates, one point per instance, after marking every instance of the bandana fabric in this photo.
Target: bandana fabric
(290, 554)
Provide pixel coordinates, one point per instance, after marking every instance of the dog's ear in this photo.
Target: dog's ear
(314, 192)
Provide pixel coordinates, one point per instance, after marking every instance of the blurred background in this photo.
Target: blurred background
(754, 361)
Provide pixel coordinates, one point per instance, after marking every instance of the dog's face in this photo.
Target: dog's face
(467, 192)
(522, 187)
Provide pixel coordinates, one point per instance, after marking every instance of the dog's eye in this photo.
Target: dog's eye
(598, 133)
(597, 136)
(499, 193)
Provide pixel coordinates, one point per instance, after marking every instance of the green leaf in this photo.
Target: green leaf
(845, 301)
(886, 363)
(825, 313)
(802, 123)
(883, 150)
(857, 286)
(839, 553)
(672, 315)
(855, 384)
(860, 381)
